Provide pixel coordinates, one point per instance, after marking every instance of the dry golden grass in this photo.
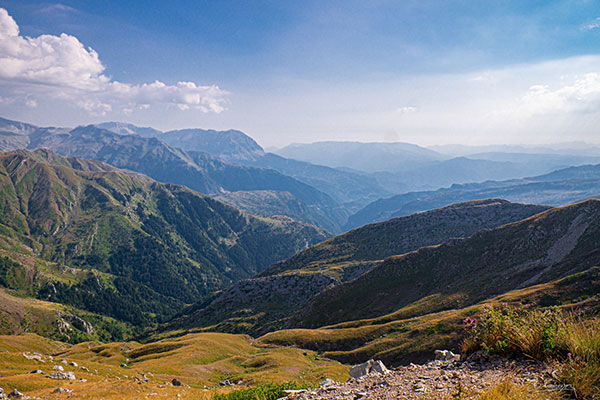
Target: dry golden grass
(400, 338)
(507, 390)
(197, 360)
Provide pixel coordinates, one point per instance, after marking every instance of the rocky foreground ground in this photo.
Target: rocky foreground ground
(438, 380)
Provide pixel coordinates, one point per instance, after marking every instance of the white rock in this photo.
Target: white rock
(62, 390)
(62, 375)
(15, 394)
(446, 355)
(36, 357)
(327, 383)
(58, 368)
(367, 368)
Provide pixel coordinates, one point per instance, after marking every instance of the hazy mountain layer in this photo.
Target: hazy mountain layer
(367, 157)
(557, 188)
(354, 190)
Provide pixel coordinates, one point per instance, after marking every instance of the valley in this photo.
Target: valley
(194, 264)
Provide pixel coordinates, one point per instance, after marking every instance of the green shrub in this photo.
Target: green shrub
(269, 391)
(517, 331)
(572, 342)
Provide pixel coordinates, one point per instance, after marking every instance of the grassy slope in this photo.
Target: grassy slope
(20, 314)
(400, 338)
(196, 360)
(161, 245)
(402, 235)
(262, 304)
(461, 272)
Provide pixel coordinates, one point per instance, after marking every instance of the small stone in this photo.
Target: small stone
(446, 355)
(418, 388)
(176, 382)
(58, 368)
(37, 371)
(36, 357)
(15, 394)
(62, 375)
(367, 368)
(73, 364)
(327, 383)
(62, 390)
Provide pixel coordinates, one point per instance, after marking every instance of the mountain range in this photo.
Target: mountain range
(197, 170)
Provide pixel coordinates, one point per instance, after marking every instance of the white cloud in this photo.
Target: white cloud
(406, 110)
(61, 67)
(595, 24)
(58, 7)
(582, 95)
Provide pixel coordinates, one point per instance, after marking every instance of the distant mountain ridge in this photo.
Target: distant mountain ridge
(555, 189)
(348, 188)
(230, 145)
(367, 157)
(123, 128)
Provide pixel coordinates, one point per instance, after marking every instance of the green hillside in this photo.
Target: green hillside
(461, 272)
(265, 302)
(140, 249)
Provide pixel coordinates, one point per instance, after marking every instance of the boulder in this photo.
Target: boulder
(58, 368)
(34, 356)
(367, 368)
(176, 382)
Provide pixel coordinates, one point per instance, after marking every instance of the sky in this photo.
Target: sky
(425, 72)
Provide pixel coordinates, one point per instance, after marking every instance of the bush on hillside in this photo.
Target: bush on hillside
(543, 334)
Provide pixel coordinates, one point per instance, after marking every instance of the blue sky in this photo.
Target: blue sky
(425, 72)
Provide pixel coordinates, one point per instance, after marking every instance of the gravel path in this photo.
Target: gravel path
(436, 380)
